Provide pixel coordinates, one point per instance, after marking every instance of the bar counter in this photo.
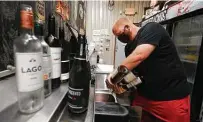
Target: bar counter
(55, 106)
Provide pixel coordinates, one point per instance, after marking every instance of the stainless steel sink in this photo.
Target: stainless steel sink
(106, 105)
(102, 93)
(105, 96)
(100, 83)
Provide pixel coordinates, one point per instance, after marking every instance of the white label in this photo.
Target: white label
(29, 71)
(65, 76)
(47, 67)
(81, 49)
(65, 61)
(129, 77)
(56, 62)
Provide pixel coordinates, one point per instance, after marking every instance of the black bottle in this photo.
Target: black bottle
(55, 49)
(73, 49)
(78, 93)
(65, 63)
(119, 73)
(88, 62)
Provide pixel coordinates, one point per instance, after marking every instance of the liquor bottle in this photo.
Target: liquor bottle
(119, 73)
(128, 83)
(87, 59)
(78, 92)
(65, 63)
(28, 61)
(124, 80)
(55, 49)
(116, 77)
(73, 48)
(46, 58)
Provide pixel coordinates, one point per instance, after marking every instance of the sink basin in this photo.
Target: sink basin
(104, 96)
(106, 107)
(101, 82)
(110, 112)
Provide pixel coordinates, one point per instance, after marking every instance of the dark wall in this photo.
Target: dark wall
(8, 32)
(9, 21)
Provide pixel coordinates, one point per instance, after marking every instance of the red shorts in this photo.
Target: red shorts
(166, 111)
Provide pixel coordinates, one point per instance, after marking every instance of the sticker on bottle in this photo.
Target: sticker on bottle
(75, 99)
(29, 73)
(46, 67)
(65, 76)
(56, 62)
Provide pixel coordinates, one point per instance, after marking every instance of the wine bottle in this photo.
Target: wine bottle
(129, 83)
(46, 58)
(73, 48)
(65, 63)
(55, 49)
(28, 62)
(87, 59)
(119, 73)
(78, 93)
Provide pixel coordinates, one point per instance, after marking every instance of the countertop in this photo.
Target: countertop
(87, 116)
(52, 105)
(55, 106)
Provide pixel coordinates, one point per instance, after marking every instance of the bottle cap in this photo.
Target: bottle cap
(26, 16)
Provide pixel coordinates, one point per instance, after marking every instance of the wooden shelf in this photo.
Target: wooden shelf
(188, 61)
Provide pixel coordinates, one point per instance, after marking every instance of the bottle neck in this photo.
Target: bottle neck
(26, 20)
(38, 30)
(82, 48)
(61, 33)
(26, 31)
(51, 27)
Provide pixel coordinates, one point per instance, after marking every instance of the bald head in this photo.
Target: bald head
(120, 24)
(125, 30)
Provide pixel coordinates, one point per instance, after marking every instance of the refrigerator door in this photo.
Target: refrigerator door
(187, 36)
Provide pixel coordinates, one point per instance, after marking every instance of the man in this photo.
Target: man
(164, 93)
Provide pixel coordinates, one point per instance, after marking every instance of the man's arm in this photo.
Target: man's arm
(140, 53)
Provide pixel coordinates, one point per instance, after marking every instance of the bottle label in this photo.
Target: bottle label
(129, 77)
(65, 76)
(75, 99)
(114, 73)
(81, 49)
(26, 19)
(81, 59)
(56, 62)
(46, 67)
(29, 71)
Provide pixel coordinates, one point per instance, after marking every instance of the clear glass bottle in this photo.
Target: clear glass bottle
(46, 58)
(28, 61)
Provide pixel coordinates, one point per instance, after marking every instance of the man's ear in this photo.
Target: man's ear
(127, 29)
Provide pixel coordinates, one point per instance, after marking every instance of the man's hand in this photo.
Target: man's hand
(116, 89)
(109, 84)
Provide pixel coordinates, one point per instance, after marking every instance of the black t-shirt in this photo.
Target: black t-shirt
(162, 72)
